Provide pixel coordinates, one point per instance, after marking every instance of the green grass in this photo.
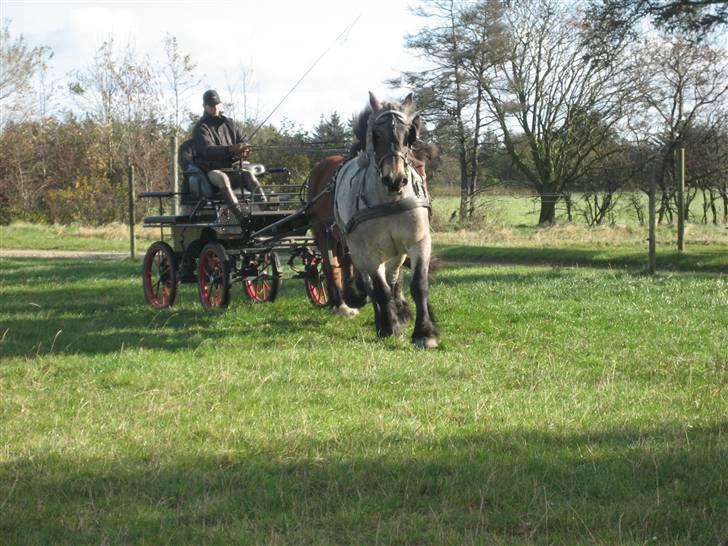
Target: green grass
(568, 405)
(520, 214)
(24, 235)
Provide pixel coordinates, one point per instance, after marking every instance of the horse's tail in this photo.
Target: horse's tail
(432, 270)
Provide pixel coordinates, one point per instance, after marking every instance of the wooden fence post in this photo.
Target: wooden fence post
(132, 216)
(174, 172)
(681, 203)
(652, 258)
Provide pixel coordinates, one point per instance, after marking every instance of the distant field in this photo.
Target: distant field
(566, 405)
(500, 220)
(497, 210)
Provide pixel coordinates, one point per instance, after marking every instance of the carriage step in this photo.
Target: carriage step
(160, 194)
(166, 219)
(271, 212)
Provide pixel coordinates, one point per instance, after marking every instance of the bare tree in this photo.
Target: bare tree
(612, 19)
(565, 102)
(240, 88)
(19, 64)
(120, 91)
(457, 46)
(179, 73)
(682, 85)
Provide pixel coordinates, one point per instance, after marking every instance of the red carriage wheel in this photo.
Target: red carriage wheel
(264, 287)
(159, 275)
(213, 277)
(316, 283)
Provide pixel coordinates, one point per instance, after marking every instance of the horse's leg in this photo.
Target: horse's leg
(332, 271)
(356, 286)
(395, 278)
(337, 282)
(425, 333)
(322, 240)
(385, 314)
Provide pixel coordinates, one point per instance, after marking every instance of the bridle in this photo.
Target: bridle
(376, 120)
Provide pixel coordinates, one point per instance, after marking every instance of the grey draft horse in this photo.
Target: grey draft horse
(381, 208)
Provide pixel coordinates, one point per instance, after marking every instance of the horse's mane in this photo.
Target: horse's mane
(359, 125)
(422, 151)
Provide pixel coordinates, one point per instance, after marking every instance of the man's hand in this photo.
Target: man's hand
(240, 149)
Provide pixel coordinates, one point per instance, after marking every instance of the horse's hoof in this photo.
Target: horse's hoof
(345, 311)
(425, 342)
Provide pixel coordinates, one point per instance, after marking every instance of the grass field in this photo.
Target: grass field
(23, 235)
(573, 400)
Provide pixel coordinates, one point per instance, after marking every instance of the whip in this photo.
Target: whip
(310, 68)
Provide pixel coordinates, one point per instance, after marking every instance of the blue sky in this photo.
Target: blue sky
(273, 41)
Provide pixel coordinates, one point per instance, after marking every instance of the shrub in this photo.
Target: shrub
(91, 202)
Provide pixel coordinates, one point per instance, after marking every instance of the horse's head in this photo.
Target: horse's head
(391, 131)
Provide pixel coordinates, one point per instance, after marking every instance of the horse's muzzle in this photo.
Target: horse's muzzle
(396, 184)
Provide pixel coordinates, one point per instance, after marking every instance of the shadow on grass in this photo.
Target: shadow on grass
(698, 261)
(626, 486)
(33, 272)
(96, 307)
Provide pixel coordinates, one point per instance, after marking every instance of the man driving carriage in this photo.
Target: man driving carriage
(219, 144)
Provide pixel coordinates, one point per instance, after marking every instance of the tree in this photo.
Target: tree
(331, 130)
(565, 103)
(612, 19)
(707, 166)
(19, 64)
(121, 93)
(682, 86)
(179, 73)
(458, 47)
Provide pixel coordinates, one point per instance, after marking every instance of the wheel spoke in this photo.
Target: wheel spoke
(159, 276)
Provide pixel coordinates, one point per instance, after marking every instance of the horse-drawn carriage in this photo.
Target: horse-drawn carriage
(376, 216)
(209, 246)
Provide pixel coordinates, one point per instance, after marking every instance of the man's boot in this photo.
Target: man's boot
(233, 204)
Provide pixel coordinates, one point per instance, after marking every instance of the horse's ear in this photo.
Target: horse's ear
(414, 131)
(374, 102)
(408, 102)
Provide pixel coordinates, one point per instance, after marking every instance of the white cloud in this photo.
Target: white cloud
(276, 41)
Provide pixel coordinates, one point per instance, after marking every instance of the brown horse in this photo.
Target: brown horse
(346, 291)
(328, 238)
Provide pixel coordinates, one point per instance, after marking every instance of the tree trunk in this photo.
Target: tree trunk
(713, 209)
(548, 208)
(463, 185)
(569, 205)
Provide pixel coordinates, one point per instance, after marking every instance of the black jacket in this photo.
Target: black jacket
(211, 139)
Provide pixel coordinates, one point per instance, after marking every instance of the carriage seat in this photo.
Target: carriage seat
(195, 183)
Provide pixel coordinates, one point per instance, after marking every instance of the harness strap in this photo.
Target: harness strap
(385, 209)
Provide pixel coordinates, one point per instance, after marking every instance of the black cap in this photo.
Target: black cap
(211, 98)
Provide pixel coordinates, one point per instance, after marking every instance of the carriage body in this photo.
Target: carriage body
(207, 247)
